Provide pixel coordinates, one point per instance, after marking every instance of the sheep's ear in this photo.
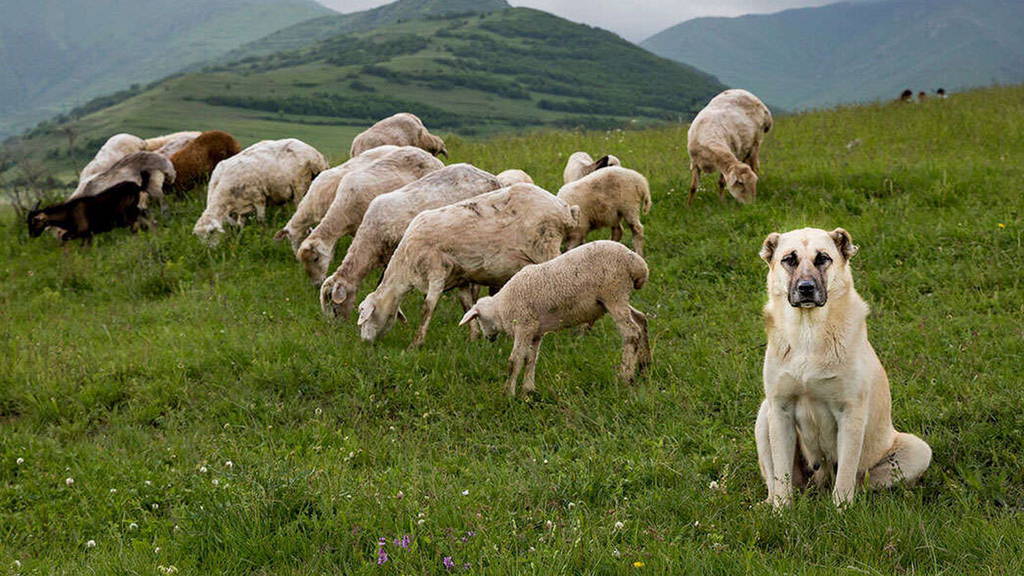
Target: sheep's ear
(401, 316)
(768, 248)
(603, 162)
(281, 234)
(844, 242)
(365, 311)
(469, 316)
(338, 294)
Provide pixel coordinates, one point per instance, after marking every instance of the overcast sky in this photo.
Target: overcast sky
(633, 19)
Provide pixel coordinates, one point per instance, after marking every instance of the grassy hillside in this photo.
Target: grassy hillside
(58, 54)
(850, 52)
(213, 421)
(511, 70)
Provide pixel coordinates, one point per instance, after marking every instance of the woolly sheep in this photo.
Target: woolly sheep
(402, 129)
(168, 144)
(581, 164)
(141, 169)
(510, 177)
(355, 192)
(574, 289)
(725, 137)
(484, 240)
(606, 198)
(115, 148)
(196, 160)
(385, 222)
(268, 172)
(320, 195)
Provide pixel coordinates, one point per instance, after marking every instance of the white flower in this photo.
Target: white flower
(616, 553)
(420, 522)
(113, 490)
(133, 526)
(713, 485)
(156, 550)
(318, 412)
(572, 505)
(148, 483)
(619, 525)
(69, 481)
(400, 495)
(465, 492)
(229, 464)
(696, 523)
(154, 505)
(549, 525)
(215, 482)
(90, 544)
(19, 462)
(202, 469)
(17, 563)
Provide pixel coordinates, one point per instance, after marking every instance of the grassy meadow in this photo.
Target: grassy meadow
(167, 405)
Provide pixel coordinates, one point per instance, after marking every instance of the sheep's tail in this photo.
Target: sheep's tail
(768, 122)
(638, 271)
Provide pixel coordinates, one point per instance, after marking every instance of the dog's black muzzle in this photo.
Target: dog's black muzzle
(807, 294)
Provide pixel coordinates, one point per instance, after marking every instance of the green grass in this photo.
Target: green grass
(131, 365)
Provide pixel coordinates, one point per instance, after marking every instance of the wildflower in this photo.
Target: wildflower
(69, 481)
(154, 505)
(148, 483)
(420, 522)
(465, 492)
(616, 553)
(317, 412)
(713, 485)
(17, 563)
(619, 525)
(638, 564)
(90, 544)
(448, 562)
(404, 542)
(400, 495)
(382, 554)
(202, 469)
(133, 526)
(572, 505)
(229, 464)
(19, 462)
(1001, 225)
(215, 482)
(156, 550)
(113, 490)
(549, 525)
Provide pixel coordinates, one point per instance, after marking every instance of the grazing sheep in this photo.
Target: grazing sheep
(484, 240)
(147, 169)
(268, 172)
(922, 96)
(514, 176)
(168, 144)
(725, 137)
(581, 164)
(385, 222)
(402, 129)
(907, 96)
(574, 289)
(115, 148)
(941, 93)
(82, 217)
(320, 195)
(195, 161)
(606, 198)
(355, 192)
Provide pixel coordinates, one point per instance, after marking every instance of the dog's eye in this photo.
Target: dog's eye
(821, 259)
(790, 260)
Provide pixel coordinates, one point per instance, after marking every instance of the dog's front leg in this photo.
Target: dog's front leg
(850, 419)
(782, 436)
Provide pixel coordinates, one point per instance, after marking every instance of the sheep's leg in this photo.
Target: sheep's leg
(631, 338)
(520, 352)
(694, 183)
(721, 187)
(637, 229)
(645, 346)
(467, 296)
(434, 291)
(261, 212)
(529, 383)
(754, 160)
(617, 232)
(155, 189)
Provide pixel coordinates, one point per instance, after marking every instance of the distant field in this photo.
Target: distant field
(213, 421)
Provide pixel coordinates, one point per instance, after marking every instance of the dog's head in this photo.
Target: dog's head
(808, 265)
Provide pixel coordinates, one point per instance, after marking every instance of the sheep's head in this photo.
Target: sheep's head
(208, 229)
(433, 144)
(376, 317)
(315, 257)
(484, 312)
(337, 297)
(742, 183)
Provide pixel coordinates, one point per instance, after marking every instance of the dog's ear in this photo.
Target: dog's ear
(768, 248)
(844, 242)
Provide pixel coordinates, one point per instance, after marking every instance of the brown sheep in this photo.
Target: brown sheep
(194, 163)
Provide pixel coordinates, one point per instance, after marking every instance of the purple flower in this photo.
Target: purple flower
(448, 563)
(382, 556)
(404, 541)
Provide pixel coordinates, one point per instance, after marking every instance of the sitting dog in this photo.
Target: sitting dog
(826, 414)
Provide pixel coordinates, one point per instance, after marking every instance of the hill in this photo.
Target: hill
(513, 69)
(213, 421)
(57, 54)
(853, 52)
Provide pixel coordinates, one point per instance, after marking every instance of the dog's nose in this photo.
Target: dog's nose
(806, 287)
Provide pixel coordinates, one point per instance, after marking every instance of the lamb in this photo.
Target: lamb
(355, 192)
(402, 129)
(580, 164)
(194, 161)
(514, 176)
(115, 148)
(606, 198)
(168, 144)
(577, 288)
(82, 217)
(268, 172)
(320, 195)
(725, 137)
(484, 240)
(385, 222)
(146, 169)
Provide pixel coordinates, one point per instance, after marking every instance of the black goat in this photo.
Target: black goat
(82, 217)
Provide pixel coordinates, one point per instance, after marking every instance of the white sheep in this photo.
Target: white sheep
(268, 172)
(574, 289)
(581, 164)
(321, 194)
(726, 137)
(385, 222)
(168, 144)
(402, 129)
(484, 240)
(355, 192)
(607, 198)
(116, 147)
(514, 176)
(147, 169)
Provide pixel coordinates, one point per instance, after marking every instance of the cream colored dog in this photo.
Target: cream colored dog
(826, 414)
